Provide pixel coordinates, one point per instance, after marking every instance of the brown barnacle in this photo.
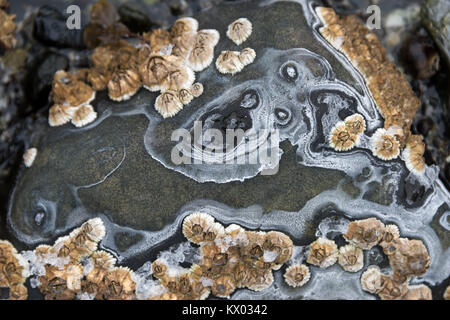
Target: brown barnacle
(18, 292)
(159, 268)
(124, 84)
(99, 78)
(4, 4)
(341, 139)
(365, 233)
(413, 154)
(384, 145)
(391, 234)
(59, 114)
(418, 292)
(28, 156)
(410, 258)
(67, 90)
(229, 62)
(195, 226)
(351, 258)
(447, 293)
(355, 123)
(371, 280)
(297, 275)
(200, 57)
(157, 39)
(154, 70)
(14, 269)
(323, 253)
(254, 248)
(196, 89)
(247, 56)
(392, 290)
(202, 53)
(259, 280)
(280, 244)
(223, 286)
(168, 104)
(180, 76)
(7, 28)
(185, 96)
(239, 30)
(118, 284)
(55, 288)
(84, 115)
(183, 26)
(102, 262)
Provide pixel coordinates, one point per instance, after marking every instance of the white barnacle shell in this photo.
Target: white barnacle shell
(239, 30)
(371, 279)
(351, 258)
(168, 104)
(384, 145)
(247, 56)
(297, 275)
(84, 115)
(29, 156)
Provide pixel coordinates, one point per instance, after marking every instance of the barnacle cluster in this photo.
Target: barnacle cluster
(14, 270)
(74, 268)
(7, 27)
(230, 258)
(407, 258)
(345, 134)
(392, 93)
(162, 61)
(234, 61)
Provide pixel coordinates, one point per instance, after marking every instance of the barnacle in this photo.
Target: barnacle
(196, 89)
(154, 70)
(259, 279)
(371, 279)
(447, 293)
(28, 156)
(68, 90)
(185, 96)
(413, 154)
(239, 30)
(297, 275)
(157, 39)
(323, 253)
(365, 233)
(195, 226)
(391, 234)
(202, 53)
(280, 244)
(117, 284)
(384, 145)
(341, 138)
(229, 62)
(223, 286)
(247, 56)
(355, 123)
(419, 292)
(123, 85)
(351, 258)
(84, 115)
(159, 268)
(183, 26)
(392, 290)
(7, 28)
(168, 104)
(60, 114)
(14, 270)
(408, 257)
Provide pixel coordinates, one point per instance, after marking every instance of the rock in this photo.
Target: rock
(120, 167)
(135, 19)
(436, 18)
